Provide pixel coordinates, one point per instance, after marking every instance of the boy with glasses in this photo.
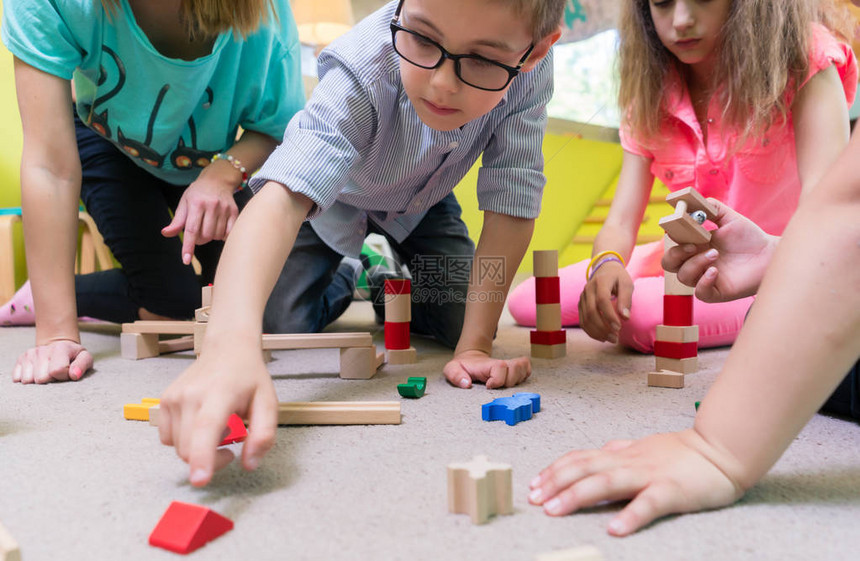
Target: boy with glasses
(407, 102)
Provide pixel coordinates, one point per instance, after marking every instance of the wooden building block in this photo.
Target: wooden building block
(671, 349)
(154, 412)
(682, 228)
(584, 553)
(206, 296)
(549, 351)
(666, 379)
(547, 290)
(402, 356)
(202, 314)
(545, 263)
(316, 340)
(185, 527)
(548, 317)
(673, 287)
(185, 343)
(199, 333)
(398, 286)
(136, 411)
(677, 310)
(397, 335)
(135, 346)
(160, 327)
(9, 550)
(358, 363)
(7, 255)
(693, 201)
(398, 307)
(547, 337)
(480, 488)
(339, 413)
(680, 365)
(678, 333)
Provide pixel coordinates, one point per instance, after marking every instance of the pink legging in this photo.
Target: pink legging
(719, 324)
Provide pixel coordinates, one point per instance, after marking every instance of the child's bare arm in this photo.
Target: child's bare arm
(821, 128)
(230, 377)
(778, 374)
(50, 190)
(599, 316)
(503, 238)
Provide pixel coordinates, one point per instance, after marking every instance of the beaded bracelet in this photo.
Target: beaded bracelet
(236, 164)
(600, 257)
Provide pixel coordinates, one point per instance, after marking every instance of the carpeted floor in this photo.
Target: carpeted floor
(78, 482)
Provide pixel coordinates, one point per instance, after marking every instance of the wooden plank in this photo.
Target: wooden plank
(339, 413)
(316, 341)
(185, 343)
(160, 327)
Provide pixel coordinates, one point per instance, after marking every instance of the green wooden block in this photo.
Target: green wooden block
(414, 387)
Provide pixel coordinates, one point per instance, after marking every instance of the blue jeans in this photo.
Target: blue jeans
(130, 206)
(315, 288)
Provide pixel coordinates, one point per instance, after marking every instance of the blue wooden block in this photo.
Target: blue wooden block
(511, 410)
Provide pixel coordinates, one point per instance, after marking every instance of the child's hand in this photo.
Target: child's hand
(57, 361)
(206, 211)
(477, 366)
(605, 302)
(195, 409)
(663, 474)
(732, 265)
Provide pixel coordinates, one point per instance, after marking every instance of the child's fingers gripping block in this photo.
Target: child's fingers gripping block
(236, 430)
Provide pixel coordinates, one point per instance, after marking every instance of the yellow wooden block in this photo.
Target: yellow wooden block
(139, 411)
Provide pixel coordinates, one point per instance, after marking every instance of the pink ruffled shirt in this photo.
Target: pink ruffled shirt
(761, 180)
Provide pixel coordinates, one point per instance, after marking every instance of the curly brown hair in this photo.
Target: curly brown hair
(764, 54)
(205, 18)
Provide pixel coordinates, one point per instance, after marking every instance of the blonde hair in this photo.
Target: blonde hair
(764, 54)
(205, 18)
(545, 15)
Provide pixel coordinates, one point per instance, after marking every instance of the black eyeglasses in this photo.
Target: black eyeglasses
(474, 70)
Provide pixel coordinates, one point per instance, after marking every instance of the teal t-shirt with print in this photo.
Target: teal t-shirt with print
(168, 115)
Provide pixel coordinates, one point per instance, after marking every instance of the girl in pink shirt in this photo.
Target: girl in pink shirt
(745, 100)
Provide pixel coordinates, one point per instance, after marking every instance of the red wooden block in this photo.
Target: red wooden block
(677, 310)
(185, 527)
(671, 349)
(398, 286)
(547, 290)
(396, 335)
(548, 337)
(238, 432)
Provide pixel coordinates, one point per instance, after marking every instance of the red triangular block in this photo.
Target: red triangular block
(238, 432)
(185, 527)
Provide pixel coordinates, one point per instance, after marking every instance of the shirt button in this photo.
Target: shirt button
(669, 174)
(714, 171)
(453, 144)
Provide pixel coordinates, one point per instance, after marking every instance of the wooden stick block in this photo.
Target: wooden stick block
(199, 333)
(206, 296)
(584, 553)
(202, 314)
(398, 308)
(316, 340)
(397, 335)
(402, 356)
(680, 365)
(549, 351)
(682, 228)
(677, 310)
(136, 411)
(666, 379)
(545, 263)
(547, 290)
(547, 337)
(7, 256)
(185, 343)
(694, 201)
(670, 349)
(548, 317)
(160, 327)
(358, 363)
(480, 488)
(135, 346)
(9, 550)
(673, 287)
(339, 413)
(678, 333)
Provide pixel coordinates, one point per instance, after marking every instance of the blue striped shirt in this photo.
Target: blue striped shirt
(359, 150)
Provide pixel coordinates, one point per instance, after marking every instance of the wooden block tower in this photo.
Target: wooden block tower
(549, 339)
(398, 318)
(676, 346)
